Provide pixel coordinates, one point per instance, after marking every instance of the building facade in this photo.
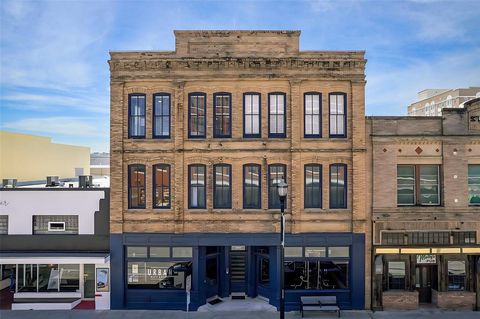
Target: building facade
(425, 183)
(199, 138)
(54, 248)
(431, 102)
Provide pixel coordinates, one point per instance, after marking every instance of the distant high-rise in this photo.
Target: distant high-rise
(430, 102)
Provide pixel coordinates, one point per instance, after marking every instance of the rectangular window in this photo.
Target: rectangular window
(180, 252)
(277, 115)
(464, 237)
(313, 115)
(396, 275)
(137, 252)
(474, 184)
(222, 190)
(222, 109)
(158, 275)
(418, 185)
(27, 278)
(252, 115)
(264, 277)
(196, 115)
(136, 116)
(48, 278)
(338, 117)
(161, 115)
(315, 252)
(3, 224)
(55, 224)
(69, 277)
(313, 186)
(276, 173)
(316, 275)
(338, 186)
(293, 251)
(393, 238)
(338, 252)
(429, 238)
(161, 186)
(197, 192)
(252, 186)
(456, 275)
(160, 252)
(136, 186)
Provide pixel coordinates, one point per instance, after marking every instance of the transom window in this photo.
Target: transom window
(161, 115)
(338, 186)
(252, 186)
(136, 115)
(222, 192)
(196, 115)
(136, 186)
(474, 184)
(313, 115)
(252, 115)
(338, 116)
(222, 115)
(313, 186)
(276, 173)
(161, 186)
(197, 192)
(418, 185)
(276, 115)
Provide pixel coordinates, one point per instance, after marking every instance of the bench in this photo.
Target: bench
(319, 303)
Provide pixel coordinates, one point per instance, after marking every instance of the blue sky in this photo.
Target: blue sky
(54, 75)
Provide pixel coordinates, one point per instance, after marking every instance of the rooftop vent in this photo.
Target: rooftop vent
(9, 183)
(85, 181)
(52, 181)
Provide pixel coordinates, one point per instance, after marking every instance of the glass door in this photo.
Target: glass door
(88, 281)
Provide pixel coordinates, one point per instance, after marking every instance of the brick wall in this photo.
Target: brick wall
(401, 300)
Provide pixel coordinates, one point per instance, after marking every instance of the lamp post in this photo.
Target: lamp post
(282, 188)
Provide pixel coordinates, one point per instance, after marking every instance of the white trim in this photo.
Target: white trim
(55, 229)
(56, 260)
(47, 295)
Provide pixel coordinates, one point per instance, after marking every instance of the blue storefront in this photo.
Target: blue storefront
(151, 271)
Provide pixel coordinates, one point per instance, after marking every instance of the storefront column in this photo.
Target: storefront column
(118, 277)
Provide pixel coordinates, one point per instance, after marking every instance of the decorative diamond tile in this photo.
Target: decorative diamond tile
(418, 150)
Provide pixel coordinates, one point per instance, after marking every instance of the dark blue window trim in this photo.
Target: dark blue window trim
(305, 134)
(229, 204)
(190, 95)
(306, 205)
(190, 186)
(245, 135)
(344, 114)
(259, 195)
(284, 134)
(130, 135)
(130, 168)
(273, 188)
(154, 115)
(154, 197)
(229, 133)
(345, 187)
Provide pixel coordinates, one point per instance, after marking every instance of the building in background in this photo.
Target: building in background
(431, 102)
(425, 181)
(54, 248)
(99, 164)
(200, 137)
(30, 158)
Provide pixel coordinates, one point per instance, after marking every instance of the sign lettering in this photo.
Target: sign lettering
(426, 259)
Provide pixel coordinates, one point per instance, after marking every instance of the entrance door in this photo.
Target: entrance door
(89, 281)
(425, 281)
(212, 271)
(238, 265)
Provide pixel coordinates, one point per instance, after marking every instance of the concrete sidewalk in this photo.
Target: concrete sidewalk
(157, 314)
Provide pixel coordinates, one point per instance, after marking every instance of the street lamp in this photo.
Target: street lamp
(282, 189)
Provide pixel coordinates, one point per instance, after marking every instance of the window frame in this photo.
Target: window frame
(468, 185)
(285, 173)
(154, 186)
(245, 134)
(305, 134)
(130, 135)
(154, 115)
(190, 95)
(278, 135)
(305, 185)
(345, 196)
(215, 166)
(417, 194)
(215, 135)
(130, 188)
(259, 185)
(190, 186)
(344, 135)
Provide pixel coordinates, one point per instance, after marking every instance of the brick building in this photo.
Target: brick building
(431, 102)
(425, 177)
(199, 138)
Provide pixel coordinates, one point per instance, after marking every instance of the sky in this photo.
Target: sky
(54, 76)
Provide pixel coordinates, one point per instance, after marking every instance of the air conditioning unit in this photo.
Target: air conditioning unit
(52, 181)
(9, 183)
(85, 181)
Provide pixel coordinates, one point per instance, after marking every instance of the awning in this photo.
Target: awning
(54, 258)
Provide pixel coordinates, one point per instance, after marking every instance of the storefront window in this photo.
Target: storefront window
(48, 278)
(315, 252)
(293, 251)
(182, 252)
(456, 275)
(338, 251)
(396, 275)
(139, 252)
(160, 252)
(158, 275)
(27, 278)
(316, 275)
(69, 278)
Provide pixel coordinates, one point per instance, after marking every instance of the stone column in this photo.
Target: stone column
(178, 135)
